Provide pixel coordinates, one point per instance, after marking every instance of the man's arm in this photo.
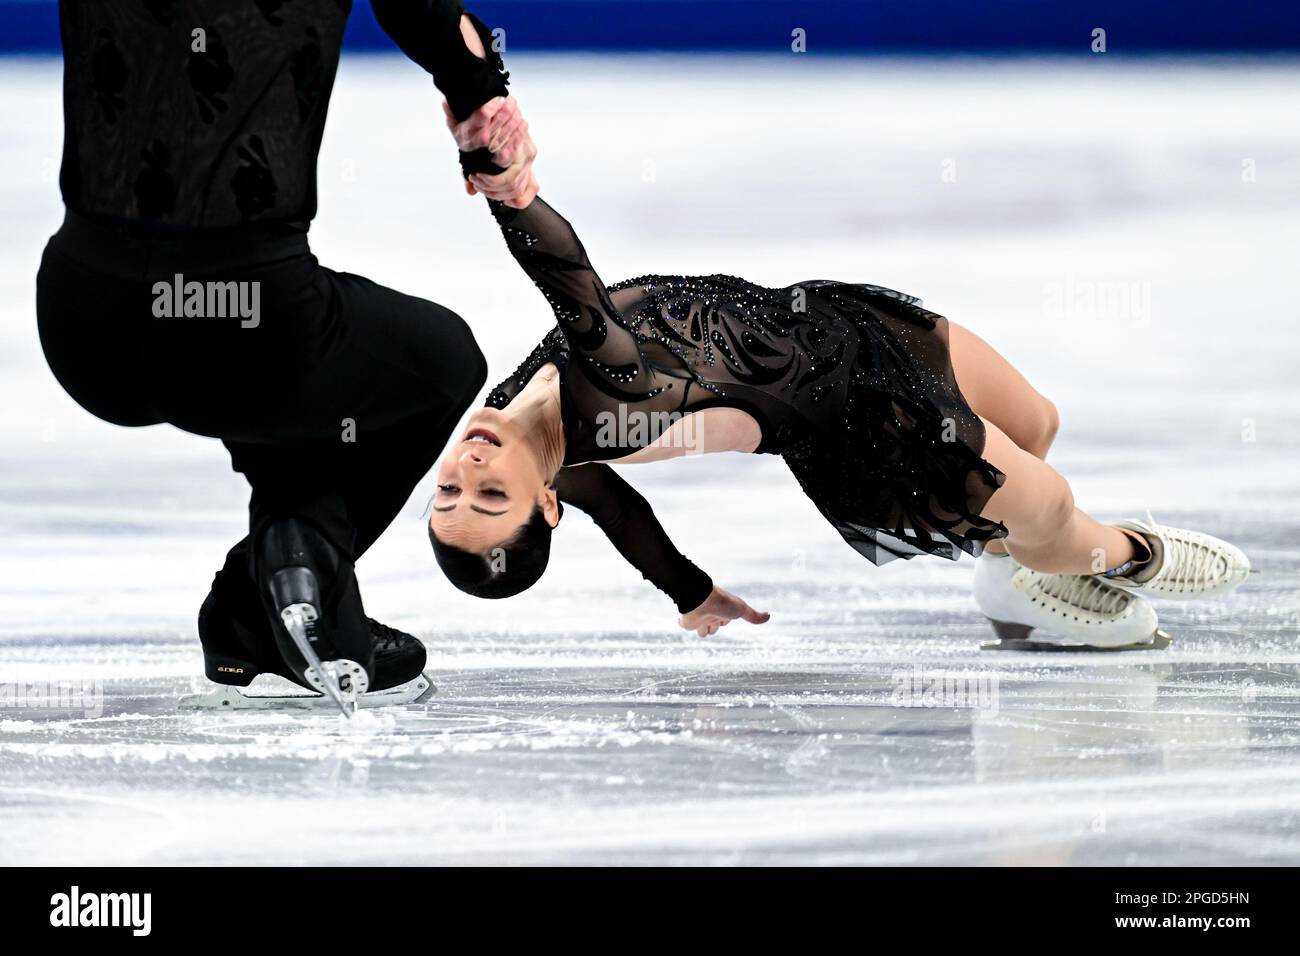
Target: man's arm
(434, 34)
(455, 48)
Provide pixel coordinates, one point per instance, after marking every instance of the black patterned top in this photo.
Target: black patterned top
(200, 114)
(851, 384)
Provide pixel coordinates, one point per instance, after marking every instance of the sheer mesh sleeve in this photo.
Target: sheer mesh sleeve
(603, 346)
(631, 526)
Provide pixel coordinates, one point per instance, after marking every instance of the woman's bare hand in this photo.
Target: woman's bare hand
(499, 127)
(516, 187)
(718, 610)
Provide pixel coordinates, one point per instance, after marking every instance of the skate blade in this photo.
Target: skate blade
(344, 681)
(335, 678)
(226, 697)
(1159, 641)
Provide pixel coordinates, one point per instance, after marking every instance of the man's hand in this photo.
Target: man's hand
(500, 127)
(718, 610)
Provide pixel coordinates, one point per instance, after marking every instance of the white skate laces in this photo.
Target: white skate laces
(1078, 609)
(1078, 592)
(1184, 564)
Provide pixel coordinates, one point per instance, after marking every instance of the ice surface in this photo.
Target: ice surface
(576, 724)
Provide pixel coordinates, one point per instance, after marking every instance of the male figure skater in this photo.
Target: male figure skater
(181, 289)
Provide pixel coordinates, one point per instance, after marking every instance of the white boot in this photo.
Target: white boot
(1081, 609)
(1184, 564)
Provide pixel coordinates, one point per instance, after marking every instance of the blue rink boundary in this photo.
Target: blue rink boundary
(877, 26)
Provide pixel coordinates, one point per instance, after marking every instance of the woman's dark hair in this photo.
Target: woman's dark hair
(507, 569)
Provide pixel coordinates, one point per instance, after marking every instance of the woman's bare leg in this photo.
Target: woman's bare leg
(1046, 531)
(998, 393)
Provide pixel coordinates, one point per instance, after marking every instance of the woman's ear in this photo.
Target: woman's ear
(551, 507)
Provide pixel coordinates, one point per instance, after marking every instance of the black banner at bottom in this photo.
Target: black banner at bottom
(364, 905)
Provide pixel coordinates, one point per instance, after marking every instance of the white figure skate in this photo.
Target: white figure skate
(1082, 612)
(1184, 564)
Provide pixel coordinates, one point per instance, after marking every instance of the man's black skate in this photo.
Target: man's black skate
(317, 619)
(234, 653)
(238, 645)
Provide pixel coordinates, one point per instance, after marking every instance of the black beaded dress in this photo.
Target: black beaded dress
(852, 386)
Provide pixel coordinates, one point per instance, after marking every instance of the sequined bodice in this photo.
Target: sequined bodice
(851, 384)
(649, 350)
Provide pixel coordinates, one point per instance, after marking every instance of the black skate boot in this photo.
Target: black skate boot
(238, 643)
(317, 618)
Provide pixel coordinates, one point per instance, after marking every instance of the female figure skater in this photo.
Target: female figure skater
(910, 434)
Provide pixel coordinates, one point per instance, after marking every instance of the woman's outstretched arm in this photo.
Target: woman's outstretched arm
(631, 526)
(604, 348)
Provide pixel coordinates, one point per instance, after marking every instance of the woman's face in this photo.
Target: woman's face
(489, 483)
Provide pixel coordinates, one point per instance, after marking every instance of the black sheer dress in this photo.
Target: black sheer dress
(852, 386)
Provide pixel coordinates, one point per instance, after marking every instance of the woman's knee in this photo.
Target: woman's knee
(1039, 505)
(1056, 507)
(1048, 421)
